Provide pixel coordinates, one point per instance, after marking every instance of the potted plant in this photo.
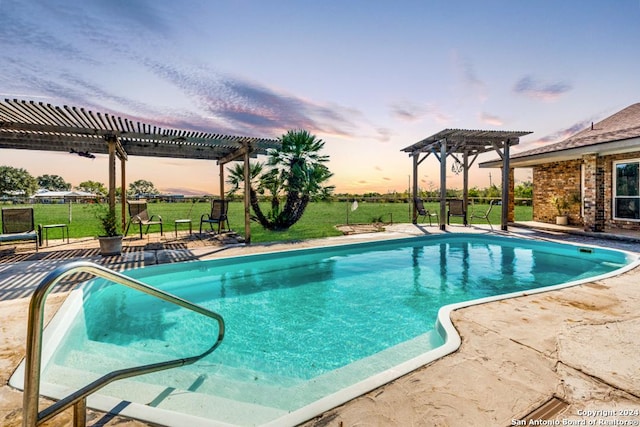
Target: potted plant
(111, 238)
(561, 205)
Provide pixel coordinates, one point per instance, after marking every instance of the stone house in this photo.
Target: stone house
(594, 174)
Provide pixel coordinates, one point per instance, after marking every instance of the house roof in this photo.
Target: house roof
(618, 133)
(59, 194)
(37, 126)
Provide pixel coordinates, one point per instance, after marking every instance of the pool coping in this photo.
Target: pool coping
(451, 309)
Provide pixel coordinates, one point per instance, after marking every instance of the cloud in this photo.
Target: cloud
(384, 134)
(251, 107)
(535, 89)
(491, 119)
(136, 37)
(563, 134)
(34, 40)
(411, 112)
(465, 69)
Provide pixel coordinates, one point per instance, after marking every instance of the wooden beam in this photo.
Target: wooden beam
(247, 199)
(122, 154)
(221, 169)
(505, 187)
(443, 184)
(423, 158)
(112, 174)
(236, 154)
(475, 156)
(414, 216)
(123, 193)
(465, 185)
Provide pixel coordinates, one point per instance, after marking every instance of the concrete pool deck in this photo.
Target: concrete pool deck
(577, 345)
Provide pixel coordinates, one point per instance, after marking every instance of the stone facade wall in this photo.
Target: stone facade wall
(556, 179)
(563, 179)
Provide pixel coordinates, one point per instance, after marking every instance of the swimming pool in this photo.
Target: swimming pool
(306, 329)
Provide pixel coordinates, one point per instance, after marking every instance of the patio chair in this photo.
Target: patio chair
(424, 213)
(457, 208)
(482, 215)
(218, 215)
(138, 214)
(17, 225)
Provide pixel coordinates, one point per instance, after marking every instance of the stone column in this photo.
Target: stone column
(594, 188)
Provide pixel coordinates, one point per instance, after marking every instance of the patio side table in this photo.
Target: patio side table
(183, 221)
(47, 227)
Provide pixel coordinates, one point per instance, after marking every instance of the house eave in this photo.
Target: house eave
(602, 149)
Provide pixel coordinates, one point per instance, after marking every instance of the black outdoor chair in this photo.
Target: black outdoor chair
(218, 215)
(482, 215)
(17, 225)
(425, 213)
(138, 214)
(457, 208)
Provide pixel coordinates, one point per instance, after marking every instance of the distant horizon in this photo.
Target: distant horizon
(195, 192)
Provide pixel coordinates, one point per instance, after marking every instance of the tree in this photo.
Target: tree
(142, 187)
(493, 192)
(53, 183)
(17, 181)
(236, 177)
(524, 190)
(296, 172)
(94, 187)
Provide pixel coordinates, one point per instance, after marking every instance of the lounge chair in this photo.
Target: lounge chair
(457, 208)
(424, 213)
(17, 225)
(138, 214)
(482, 215)
(218, 215)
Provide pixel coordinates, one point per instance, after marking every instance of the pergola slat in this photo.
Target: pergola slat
(58, 113)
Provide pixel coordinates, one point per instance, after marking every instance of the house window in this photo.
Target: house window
(626, 196)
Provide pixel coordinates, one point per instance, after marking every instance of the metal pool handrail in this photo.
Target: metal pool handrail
(78, 399)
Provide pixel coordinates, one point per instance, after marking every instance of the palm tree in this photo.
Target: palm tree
(296, 169)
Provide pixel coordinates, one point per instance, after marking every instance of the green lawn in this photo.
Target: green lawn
(319, 220)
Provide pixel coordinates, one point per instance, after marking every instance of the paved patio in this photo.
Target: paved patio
(575, 348)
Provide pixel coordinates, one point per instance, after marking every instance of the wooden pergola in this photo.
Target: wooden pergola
(463, 146)
(36, 126)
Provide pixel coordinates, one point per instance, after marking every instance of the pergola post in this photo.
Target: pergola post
(414, 218)
(247, 197)
(505, 186)
(465, 185)
(221, 181)
(443, 183)
(123, 193)
(111, 141)
(512, 196)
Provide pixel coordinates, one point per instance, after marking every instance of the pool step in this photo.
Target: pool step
(168, 398)
(205, 377)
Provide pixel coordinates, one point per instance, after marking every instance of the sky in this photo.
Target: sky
(368, 77)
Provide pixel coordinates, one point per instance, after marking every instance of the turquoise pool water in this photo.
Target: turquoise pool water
(301, 325)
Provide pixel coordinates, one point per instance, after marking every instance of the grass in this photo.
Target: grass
(319, 220)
